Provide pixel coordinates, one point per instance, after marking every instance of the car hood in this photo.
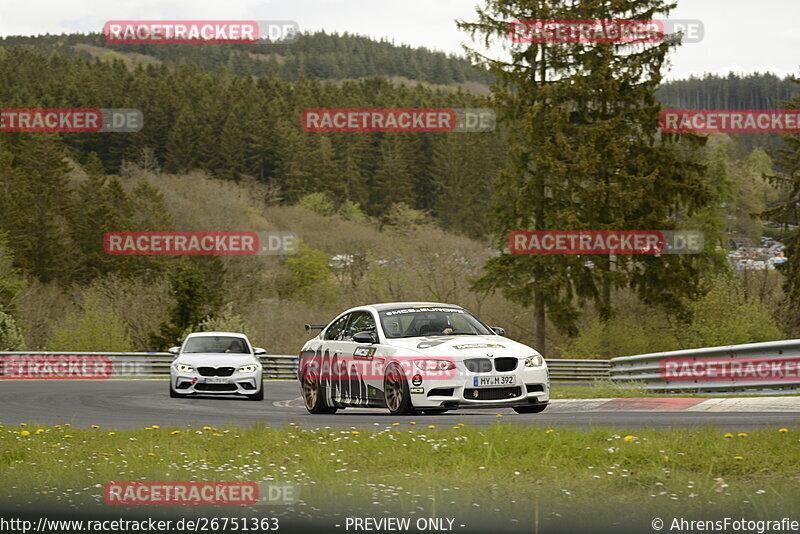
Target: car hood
(216, 360)
(461, 346)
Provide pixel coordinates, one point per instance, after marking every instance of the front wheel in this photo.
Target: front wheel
(396, 393)
(172, 393)
(533, 408)
(257, 396)
(314, 396)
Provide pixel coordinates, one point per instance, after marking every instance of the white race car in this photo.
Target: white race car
(216, 363)
(414, 357)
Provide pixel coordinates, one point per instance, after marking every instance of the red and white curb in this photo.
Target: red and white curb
(678, 404)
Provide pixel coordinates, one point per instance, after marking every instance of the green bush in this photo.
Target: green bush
(316, 202)
(351, 211)
(621, 336)
(227, 321)
(97, 327)
(724, 316)
(10, 334)
(308, 277)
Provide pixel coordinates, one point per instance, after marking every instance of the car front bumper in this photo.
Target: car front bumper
(531, 387)
(237, 384)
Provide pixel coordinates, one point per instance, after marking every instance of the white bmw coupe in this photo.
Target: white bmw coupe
(216, 363)
(412, 357)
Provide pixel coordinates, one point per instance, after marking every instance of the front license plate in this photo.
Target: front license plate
(494, 381)
(215, 380)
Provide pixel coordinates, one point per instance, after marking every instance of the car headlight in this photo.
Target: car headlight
(434, 365)
(534, 361)
(183, 368)
(248, 369)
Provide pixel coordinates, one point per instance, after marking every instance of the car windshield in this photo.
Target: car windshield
(216, 344)
(418, 321)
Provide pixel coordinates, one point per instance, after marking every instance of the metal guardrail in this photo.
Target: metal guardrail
(578, 370)
(646, 369)
(156, 364)
(652, 372)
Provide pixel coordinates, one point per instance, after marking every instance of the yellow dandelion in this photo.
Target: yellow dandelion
(742, 434)
(95, 426)
(175, 432)
(151, 454)
(499, 415)
(728, 435)
(67, 424)
(148, 428)
(25, 433)
(67, 435)
(206, 428)
(431, 426)
(738, 458)
(629, 438)
(666, 458)
(395, 424)
(356, 432)
(57, 426)
(461, 424)
(779, 430)
(412, 423)
(548, 431)
(112, 433)
(457, 427)
(156, 427)
(39, 430)
(216, 434)
(1, 426)
(23, 424)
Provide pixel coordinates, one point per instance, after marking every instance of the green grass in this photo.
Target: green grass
(600, 389)
(500, 470)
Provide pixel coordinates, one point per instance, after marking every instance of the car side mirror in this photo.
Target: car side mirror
(499, 331)
(365, 337)
(259, 351)
(174, 351)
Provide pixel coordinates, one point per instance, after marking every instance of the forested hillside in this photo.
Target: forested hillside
(313, 55)
(382, 216)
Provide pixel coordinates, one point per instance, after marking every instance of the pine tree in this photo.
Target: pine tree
(584, 154)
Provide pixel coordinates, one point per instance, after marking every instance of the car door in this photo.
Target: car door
(329, 355)
(357, 358)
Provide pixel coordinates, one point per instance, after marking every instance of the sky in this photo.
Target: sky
(742, 36)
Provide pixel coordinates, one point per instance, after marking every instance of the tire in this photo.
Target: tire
(533, 408)
(314, 396)
(257, 396)
(395, 392)
(172, 392)
(433, 411)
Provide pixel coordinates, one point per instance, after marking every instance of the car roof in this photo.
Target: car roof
(229, 334)
(392, 305)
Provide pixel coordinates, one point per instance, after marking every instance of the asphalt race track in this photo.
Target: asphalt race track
(123, 404)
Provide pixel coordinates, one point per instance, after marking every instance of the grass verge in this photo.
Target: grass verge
(500, 471)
